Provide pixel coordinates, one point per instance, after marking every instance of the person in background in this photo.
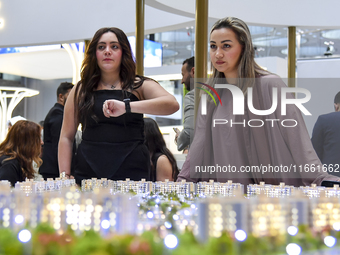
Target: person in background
(163, 163)
(21, 147)
(41, 123)
(183, 138)
(238, 149)
(52, 128)
(109, 103)
(13, 120)
(326, 138)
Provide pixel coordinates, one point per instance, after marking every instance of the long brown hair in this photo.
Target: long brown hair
(155, 142)
(91, 74)
(23, 142)
(247, 67)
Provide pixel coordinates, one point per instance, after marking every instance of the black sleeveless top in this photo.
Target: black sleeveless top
(10, 170)
(113, 147)
(154, 160)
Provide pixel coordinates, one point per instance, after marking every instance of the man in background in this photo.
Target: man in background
(52, 128)
(183, 138)
(326, 138)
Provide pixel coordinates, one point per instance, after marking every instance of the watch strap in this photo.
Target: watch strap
(127, 105)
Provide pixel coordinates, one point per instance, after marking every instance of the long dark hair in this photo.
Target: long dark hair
(91, 74)
(23, 142)
(155, 142)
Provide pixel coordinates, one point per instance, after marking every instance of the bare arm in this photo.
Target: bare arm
(164, 169)
(154, 100)
(68, 131)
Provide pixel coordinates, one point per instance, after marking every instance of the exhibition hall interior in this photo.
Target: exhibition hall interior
(245, 189)
(37, 57)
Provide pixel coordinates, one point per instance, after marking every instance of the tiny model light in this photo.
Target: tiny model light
(329, 241)
(292, 230)
(19, 219)
(105, 224)
(240, 235)
(171, 241)
(24, 236)
(293, 249)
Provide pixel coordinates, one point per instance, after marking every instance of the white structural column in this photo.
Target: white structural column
(10, 97)
(77, 57)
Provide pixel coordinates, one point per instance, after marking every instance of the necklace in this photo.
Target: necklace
(111, 86)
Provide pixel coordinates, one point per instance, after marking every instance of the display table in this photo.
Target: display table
(104, 217)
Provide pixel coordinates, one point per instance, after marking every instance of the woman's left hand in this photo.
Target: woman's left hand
(113, 108)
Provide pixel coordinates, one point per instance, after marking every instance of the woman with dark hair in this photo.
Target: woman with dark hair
(255, 144)
(109, 103)
(20, 148)
(163, 163)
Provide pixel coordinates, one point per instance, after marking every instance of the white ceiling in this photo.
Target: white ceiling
(36, 22)
(301, 13)
(43, 65)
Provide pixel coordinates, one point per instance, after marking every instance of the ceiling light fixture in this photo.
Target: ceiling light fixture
(331, 34)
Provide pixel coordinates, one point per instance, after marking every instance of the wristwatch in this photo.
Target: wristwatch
(127, 105)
